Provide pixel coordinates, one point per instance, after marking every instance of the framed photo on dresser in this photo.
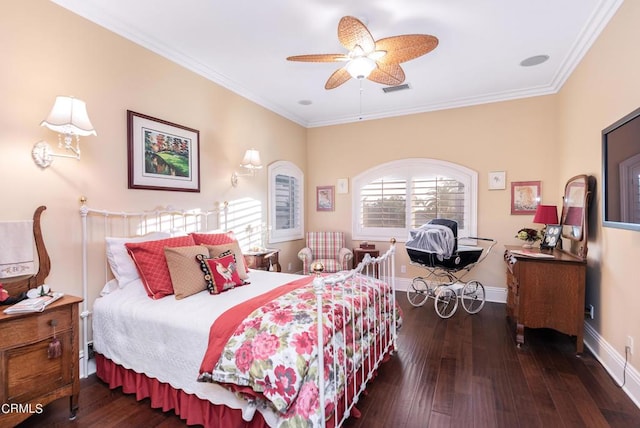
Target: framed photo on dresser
(551, 236)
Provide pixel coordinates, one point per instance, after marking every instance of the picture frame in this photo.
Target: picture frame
(525, 197)
(342, 185)
(162, 155)
(325, 198)
(497, 180)
(551, 236)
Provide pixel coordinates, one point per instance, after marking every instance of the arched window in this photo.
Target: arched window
(286, 202)
(392, 198)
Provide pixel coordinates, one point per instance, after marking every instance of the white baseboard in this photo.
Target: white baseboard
(91, 369)
(613, 362)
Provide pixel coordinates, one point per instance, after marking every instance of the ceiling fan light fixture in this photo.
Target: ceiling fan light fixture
(361, 67)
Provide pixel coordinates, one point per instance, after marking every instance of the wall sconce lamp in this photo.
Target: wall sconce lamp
(68, 118)
(251, 161)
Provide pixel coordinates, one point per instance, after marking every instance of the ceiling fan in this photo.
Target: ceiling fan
(376, 60)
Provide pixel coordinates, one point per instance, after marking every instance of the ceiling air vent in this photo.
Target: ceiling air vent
(396, 88)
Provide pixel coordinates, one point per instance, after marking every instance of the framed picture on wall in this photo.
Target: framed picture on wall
(525, 197)
(497, 180)
(162, 155)
(325, 198)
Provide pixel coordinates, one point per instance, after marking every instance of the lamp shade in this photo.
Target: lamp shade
(546, 214)
(361, 67)
(251, 159)
(69, 116)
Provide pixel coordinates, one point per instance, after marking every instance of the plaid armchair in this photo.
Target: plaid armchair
(327, 248)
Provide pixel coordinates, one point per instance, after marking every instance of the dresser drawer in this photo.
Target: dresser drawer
(36, 327)
(31, 373)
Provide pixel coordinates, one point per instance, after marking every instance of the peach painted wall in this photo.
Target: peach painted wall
(48, 51)
(518, 137)
(604, 88)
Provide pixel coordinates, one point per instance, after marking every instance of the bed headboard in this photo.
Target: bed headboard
(97, 224)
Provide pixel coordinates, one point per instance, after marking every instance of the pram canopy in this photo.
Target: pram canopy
(436, 244)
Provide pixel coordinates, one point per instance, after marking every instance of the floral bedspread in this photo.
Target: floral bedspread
(272, 355)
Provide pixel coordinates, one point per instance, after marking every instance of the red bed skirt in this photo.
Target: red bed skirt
(193, 410)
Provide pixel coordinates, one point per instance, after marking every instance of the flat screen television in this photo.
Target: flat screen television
(621, 173)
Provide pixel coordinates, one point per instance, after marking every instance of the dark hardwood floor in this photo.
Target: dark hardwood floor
(462, 372)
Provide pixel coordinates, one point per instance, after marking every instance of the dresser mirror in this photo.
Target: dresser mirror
(18, 285)
(575, 208)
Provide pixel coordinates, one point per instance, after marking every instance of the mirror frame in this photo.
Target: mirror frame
(575, 213)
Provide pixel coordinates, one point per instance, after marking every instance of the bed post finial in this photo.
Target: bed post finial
(318, 286)
(317, 268)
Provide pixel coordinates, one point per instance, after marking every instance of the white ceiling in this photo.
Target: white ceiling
(242, 45)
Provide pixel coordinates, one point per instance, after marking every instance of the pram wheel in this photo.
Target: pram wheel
(446, 301)
(418, 292)
(473, 297)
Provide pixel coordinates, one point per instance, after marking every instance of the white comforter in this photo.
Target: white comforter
(151, 336)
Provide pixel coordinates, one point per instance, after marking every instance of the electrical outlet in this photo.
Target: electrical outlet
(630, 344)
(589, 311)
(403, 269)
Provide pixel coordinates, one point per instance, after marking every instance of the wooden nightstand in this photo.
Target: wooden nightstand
(263, 259)
(30, 380)
(359, 253)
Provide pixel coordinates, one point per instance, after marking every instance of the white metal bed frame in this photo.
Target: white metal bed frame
(169, 219)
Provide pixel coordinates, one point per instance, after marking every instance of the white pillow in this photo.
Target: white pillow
(109, 287)
(121, 264)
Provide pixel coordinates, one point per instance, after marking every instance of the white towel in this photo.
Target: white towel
(16, 248)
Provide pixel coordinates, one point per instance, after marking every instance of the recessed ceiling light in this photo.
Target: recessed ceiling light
(534, 60)
(305, 102)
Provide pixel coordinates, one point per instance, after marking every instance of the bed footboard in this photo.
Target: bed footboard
(376, 319)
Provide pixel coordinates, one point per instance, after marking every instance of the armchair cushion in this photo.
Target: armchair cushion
(327, 248)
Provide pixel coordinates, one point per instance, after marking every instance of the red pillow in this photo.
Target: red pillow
(220, 274)
(152, 264)
(213, 238)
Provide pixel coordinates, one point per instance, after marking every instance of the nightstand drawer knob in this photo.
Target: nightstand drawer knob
(53, 323)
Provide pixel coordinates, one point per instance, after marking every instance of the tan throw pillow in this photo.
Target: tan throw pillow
(216, 250)
(186, 275)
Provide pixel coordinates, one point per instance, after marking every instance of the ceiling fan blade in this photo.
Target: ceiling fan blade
(319, 58)
(352, 33)
(387, 74)
(404, 48)
(338, 77)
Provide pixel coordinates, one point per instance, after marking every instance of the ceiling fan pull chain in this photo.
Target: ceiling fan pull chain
(360, 117)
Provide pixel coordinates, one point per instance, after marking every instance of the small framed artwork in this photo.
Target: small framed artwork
(497, 180)
(525, 197)
(551, 236)
(325, 198)
(342, 185)
(162, 155)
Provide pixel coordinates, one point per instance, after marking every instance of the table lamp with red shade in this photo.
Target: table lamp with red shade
(547, 214)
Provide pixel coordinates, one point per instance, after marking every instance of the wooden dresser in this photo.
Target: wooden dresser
(29, 378)
(546, 292)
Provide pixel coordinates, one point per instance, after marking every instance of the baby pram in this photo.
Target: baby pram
(435, 247)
